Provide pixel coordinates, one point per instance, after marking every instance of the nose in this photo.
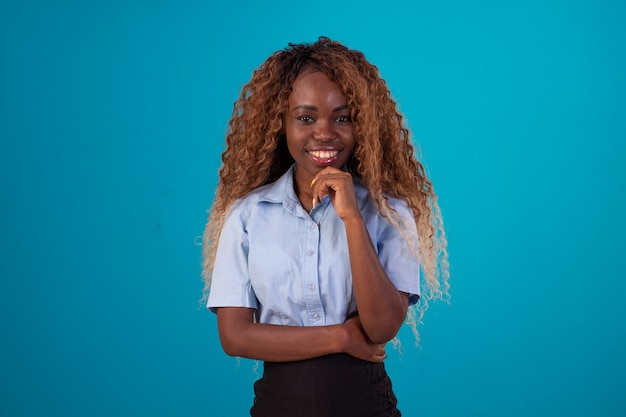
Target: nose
(324, 131)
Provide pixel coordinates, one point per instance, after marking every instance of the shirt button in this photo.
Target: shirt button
(316, 316)
(313, 226)
(310, 253)
(311, 287)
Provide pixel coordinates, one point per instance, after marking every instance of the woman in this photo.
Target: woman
(321, 221)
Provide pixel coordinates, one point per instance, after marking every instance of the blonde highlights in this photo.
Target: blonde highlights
(384, 157)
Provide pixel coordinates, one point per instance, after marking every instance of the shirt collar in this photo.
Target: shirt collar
(282, 191)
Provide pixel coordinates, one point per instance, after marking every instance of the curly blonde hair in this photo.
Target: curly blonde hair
(384, 158)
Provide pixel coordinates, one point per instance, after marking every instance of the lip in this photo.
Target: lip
(323, 156)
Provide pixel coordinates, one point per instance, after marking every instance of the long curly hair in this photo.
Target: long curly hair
(384, 157)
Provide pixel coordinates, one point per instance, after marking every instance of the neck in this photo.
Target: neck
(302, 188)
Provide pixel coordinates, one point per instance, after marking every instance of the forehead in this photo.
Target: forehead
(316, 87)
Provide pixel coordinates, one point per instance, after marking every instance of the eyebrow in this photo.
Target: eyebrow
(313, 108)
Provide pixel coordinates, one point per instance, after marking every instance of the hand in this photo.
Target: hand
(359, 345)
(339, 187)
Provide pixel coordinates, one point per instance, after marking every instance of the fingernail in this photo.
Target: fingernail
(314, 202)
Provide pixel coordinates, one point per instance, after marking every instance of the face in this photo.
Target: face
(317, 125)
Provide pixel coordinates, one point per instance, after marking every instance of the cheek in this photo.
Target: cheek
(293, 144)
(295, 134)
(348, 137)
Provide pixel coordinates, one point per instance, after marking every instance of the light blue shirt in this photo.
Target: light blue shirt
(293, 267)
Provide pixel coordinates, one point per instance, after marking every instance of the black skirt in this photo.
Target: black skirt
(329, 386)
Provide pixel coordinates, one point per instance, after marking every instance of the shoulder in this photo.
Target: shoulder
(244, 206)
(261, 198)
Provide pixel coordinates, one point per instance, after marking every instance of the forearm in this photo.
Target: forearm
(382, 309)
(240, 336)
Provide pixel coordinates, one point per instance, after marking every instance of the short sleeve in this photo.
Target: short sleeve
(230, 281)
(397, 256)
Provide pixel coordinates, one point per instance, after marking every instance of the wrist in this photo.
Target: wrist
(353, 220)
(340, 338)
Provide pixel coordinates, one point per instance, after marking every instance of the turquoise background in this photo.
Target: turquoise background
(112, 120)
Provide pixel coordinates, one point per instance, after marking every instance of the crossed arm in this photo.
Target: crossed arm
(382, 308)
(241, 336)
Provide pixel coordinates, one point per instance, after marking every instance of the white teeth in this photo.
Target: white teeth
(324, 154)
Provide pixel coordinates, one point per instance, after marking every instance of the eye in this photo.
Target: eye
(305, 118)
(343, 119)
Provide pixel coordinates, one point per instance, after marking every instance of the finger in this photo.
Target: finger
(319, 191)
(325, 185)
(329, 184)
(323, 172)
(382, 353)
(329, 172)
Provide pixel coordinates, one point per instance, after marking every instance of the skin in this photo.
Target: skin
(320, 139)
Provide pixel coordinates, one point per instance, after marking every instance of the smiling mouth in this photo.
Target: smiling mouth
(323, 157)
(323, 154)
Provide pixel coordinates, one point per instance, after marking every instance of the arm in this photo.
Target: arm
(382, 308)
(241, 336)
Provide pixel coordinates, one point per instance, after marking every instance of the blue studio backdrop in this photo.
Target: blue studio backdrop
(112, 122)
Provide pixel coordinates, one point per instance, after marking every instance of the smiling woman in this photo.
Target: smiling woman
(318, 130)
(313, 248)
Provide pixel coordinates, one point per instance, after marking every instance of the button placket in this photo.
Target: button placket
(311, 294)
